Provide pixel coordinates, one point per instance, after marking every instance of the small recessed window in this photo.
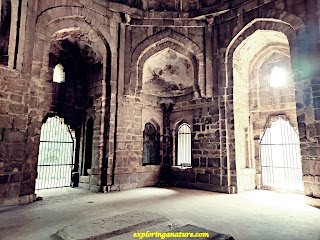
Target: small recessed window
(278, 76)
(58, 74)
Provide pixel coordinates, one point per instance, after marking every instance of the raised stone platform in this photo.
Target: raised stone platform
(133, 225)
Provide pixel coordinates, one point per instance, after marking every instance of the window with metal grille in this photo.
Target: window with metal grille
(56, 154)
(184, 145)
(150, 145)
(280, 156)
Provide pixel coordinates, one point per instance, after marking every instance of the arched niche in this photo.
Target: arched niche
(167, 73)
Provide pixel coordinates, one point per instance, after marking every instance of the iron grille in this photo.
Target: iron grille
(184, 145)
(56, 154)
(280, 156)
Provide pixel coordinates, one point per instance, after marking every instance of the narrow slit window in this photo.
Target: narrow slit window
(58, 74)
(184, 145)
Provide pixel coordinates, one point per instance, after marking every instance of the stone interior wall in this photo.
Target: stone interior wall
(209, 170)
(111, 43)
(129, 171)
(308, 116)
(19, 126)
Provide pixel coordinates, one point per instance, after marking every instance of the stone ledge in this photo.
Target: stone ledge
(314, 202)
(5, 202)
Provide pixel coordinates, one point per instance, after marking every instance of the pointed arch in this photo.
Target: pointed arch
(276, 20)
(159, 42)
(288, 23)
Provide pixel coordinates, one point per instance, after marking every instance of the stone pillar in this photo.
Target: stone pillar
(165, 173)
(209, 56)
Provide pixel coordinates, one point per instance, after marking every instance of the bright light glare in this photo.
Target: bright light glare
(58, 74)
(278, 77)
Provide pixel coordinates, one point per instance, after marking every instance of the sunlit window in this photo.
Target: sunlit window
(278, 77)
(184, 145)
(58, 74)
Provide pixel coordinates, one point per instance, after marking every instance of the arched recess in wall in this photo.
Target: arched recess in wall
(157, 43)
(52, 33)
(255, 98)
(151, 145)
(282, 25)
(5, 23)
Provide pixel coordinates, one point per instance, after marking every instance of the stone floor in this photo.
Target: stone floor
(250, 215)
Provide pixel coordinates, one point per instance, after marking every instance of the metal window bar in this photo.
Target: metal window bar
(184, 145)
(56, 155)
(280, 156)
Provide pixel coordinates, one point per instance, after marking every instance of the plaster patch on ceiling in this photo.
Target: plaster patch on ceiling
(167, 72)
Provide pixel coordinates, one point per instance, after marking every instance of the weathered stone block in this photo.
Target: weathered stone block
(316, 190)
(20, 122)
(17, 151)
(215, 180)
(316, 102)
(16, 177)
(16, 98)
(27, 176)
(4, 179)
(5, 121)
(14, 135)
(27, 188)
(14, 190)
(94, 180)
(203, 162)
(213, 162)
(17, 109)
(13, 167)
(203, 178)
(196, 128)
(195, 162)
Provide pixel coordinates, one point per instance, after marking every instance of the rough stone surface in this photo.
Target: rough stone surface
(216, 80)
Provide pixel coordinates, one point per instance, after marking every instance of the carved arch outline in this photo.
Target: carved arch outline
(160, 41)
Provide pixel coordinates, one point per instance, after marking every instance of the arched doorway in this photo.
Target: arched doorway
(56, 154)
(280, 156)
(263, 87)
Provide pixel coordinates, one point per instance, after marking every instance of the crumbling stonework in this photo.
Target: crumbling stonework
(223, 49)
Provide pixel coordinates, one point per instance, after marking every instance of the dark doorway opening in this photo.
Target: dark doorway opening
(88, 149)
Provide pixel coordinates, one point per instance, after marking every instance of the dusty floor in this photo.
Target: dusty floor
(250, 215)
